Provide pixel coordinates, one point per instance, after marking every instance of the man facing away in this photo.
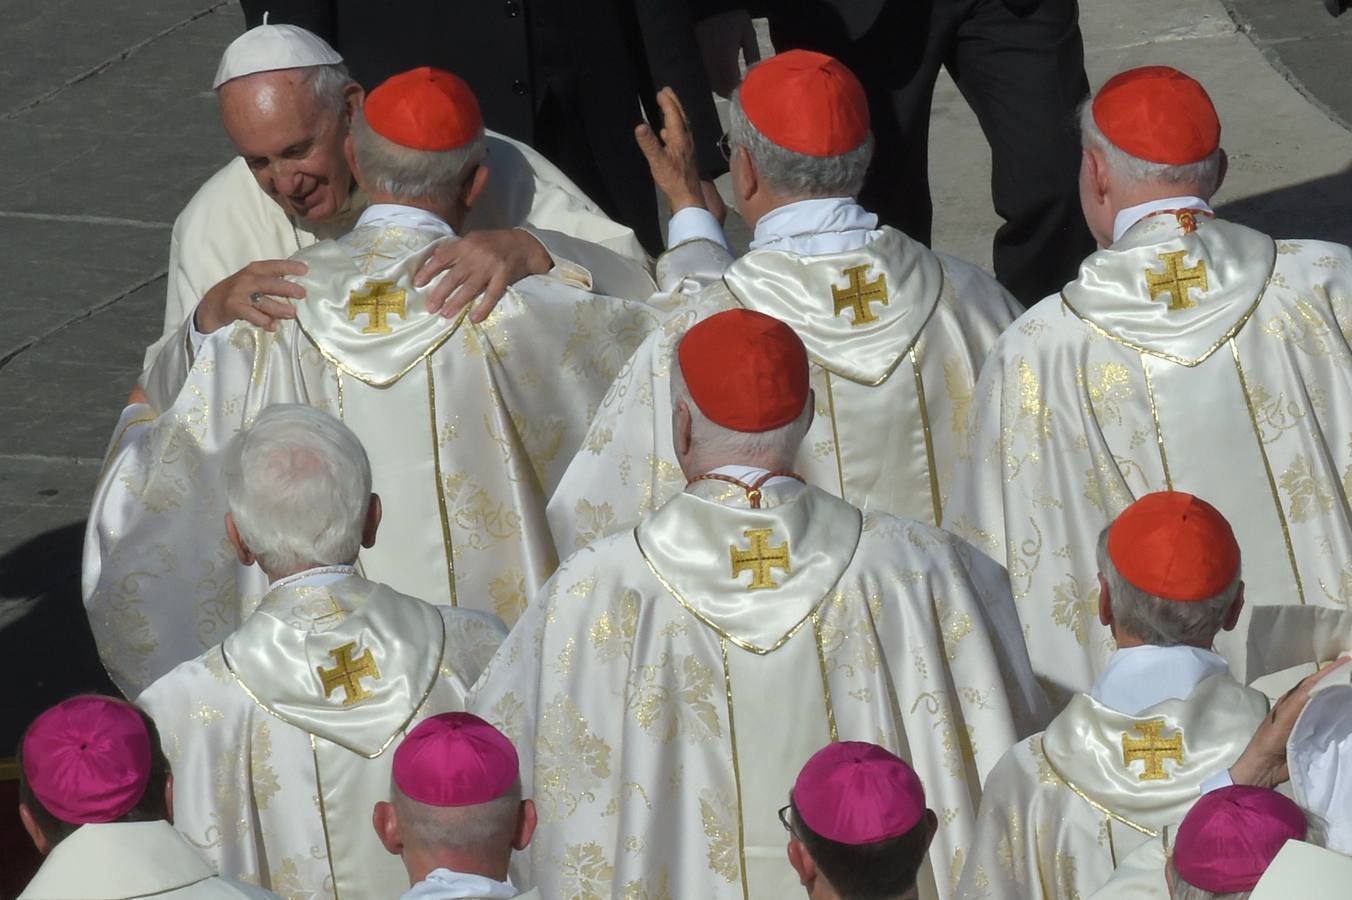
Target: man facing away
(1161, 726)
(684, 671)
(1191, 354)
(281, 734)
(468, 425)
(896, 333)
(97, 797)
(455, 812)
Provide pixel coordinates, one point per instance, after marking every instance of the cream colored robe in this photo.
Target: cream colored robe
(468, 428)
(275, 777)
(230, 222)
(662, 707)
(892, 388)
(1099, 396)
(1063, 808)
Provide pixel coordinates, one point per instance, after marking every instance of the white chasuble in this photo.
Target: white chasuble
(1212, 361)
(1064, 807)
(281, 738)
(896, 335)
(667, 684)
(230, 222)
(468, 428)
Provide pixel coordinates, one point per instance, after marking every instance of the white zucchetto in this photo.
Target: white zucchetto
(268, 48)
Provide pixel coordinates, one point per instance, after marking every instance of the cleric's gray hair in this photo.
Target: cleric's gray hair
(481, 829)
(409, 174)
(1205, 174)
(798, 174)
(1315, 833)
(328, 85)
(298, 484)
(1164, 623)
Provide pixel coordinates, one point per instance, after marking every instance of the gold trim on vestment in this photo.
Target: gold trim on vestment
(338, 375)
(736, 767)
(432, 348)
(726, 636)
(1155, 415)
(9, 769)
(826, 683)
(441, 487)
(835, 433)
(1094, 803)
(1272, 481)
(929, 439)
(323, 815)
(1112, 845)
(117, 442)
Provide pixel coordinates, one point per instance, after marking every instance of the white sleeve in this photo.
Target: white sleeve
(695, 223)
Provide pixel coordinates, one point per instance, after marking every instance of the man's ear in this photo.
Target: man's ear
(169, 798)
(1221, 173)
(372, 524)
(1105, 602)
(353, 98)
(386, 823)
(802, 863)
(474, 186)
(748, 177)
(246, 556)
(1097, 166)
(1232, 617)
(30, 825)
(682, 425)
(526, 821)
(350, 154)
(931, 827)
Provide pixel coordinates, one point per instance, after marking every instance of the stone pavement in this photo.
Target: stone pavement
(108, 125)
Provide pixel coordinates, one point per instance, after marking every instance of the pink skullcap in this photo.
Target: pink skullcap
(88, 759)
(455, 759)
(1229, 837)
(853, 792)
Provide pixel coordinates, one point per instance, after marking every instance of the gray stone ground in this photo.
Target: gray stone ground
(107, 126)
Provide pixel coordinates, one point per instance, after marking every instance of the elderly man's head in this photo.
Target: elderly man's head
(1169, 573)
(1148, 134)
(798, 128)
(298, 484)
(286, 104)
(739, 393)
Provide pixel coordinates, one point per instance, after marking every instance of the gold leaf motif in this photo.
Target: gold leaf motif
(719, 817)
(1075, 608)
(585, 872)
(593, 522)
(263, 778)
(613, 633)
(1109, 388)
(958, 384)
(954, 625)
(597, 440)
(1307, 496)
(674, 699)
(571, 762)
(509, 596)
(648, 889)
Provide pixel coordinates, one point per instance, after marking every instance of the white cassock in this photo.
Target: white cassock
(230, 222)
(896, 334)
(281, 738)
(667, 684)
(445, 884)
(1213, 361)
(1115, 767)
(468, 428)
(125, 860)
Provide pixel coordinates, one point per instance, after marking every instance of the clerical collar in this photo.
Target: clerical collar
(1128, 217)
(317, 577)
(445, 884)
(397, 215)
(1137, 678)
(749, 478)
(816, 226)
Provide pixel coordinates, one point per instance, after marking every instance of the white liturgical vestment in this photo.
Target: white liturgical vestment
(668, 683)
(230, 222)
(1065, 807)
(281, 738)
(1193, 355)
(468, 428)
(125, 860)
(896, 334)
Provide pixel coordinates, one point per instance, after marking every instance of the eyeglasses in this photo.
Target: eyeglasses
(725, 147)
(784, 817)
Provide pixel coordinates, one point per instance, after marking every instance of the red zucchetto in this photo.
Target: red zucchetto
(806, 102)
(1230, 836)
(745, 370)
(1174, 546)
(1158, 114)
(455, 759)
(853, 792)
(424, 109)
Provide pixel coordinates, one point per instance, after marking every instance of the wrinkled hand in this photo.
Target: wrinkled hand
(672, 159)
(713, 201)
(482, 263)
(720, 37)
(229, 300)
(1263, 762)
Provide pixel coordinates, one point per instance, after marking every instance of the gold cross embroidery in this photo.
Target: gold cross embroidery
(859, 294)
(760, 559)
(377, 299)
(348, 673)
(1177, 281)
(1152, 749)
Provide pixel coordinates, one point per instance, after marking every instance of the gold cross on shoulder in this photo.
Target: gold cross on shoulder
(1152, 749)
(858, 294)
(377, 298)
(348, 673)
(760, 559)
(1177, 281)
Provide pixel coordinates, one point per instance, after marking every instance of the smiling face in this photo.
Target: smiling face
(292, 140)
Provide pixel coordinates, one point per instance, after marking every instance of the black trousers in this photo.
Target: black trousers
(1020, 66)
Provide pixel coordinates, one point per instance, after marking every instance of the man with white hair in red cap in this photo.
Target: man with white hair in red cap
(681, 673)
(1190, 354)
(895, 331)
(468, 425)
(287, 104)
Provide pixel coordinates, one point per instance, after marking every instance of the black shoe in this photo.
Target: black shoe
(1335, 7)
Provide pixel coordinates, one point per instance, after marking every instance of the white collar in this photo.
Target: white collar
(749, 474)
(444, 884)
(317, 577)
(1137, 678)
(397, 215)
(815, 226)
(1132, 214)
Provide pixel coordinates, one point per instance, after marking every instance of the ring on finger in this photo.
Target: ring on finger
(256, 298)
